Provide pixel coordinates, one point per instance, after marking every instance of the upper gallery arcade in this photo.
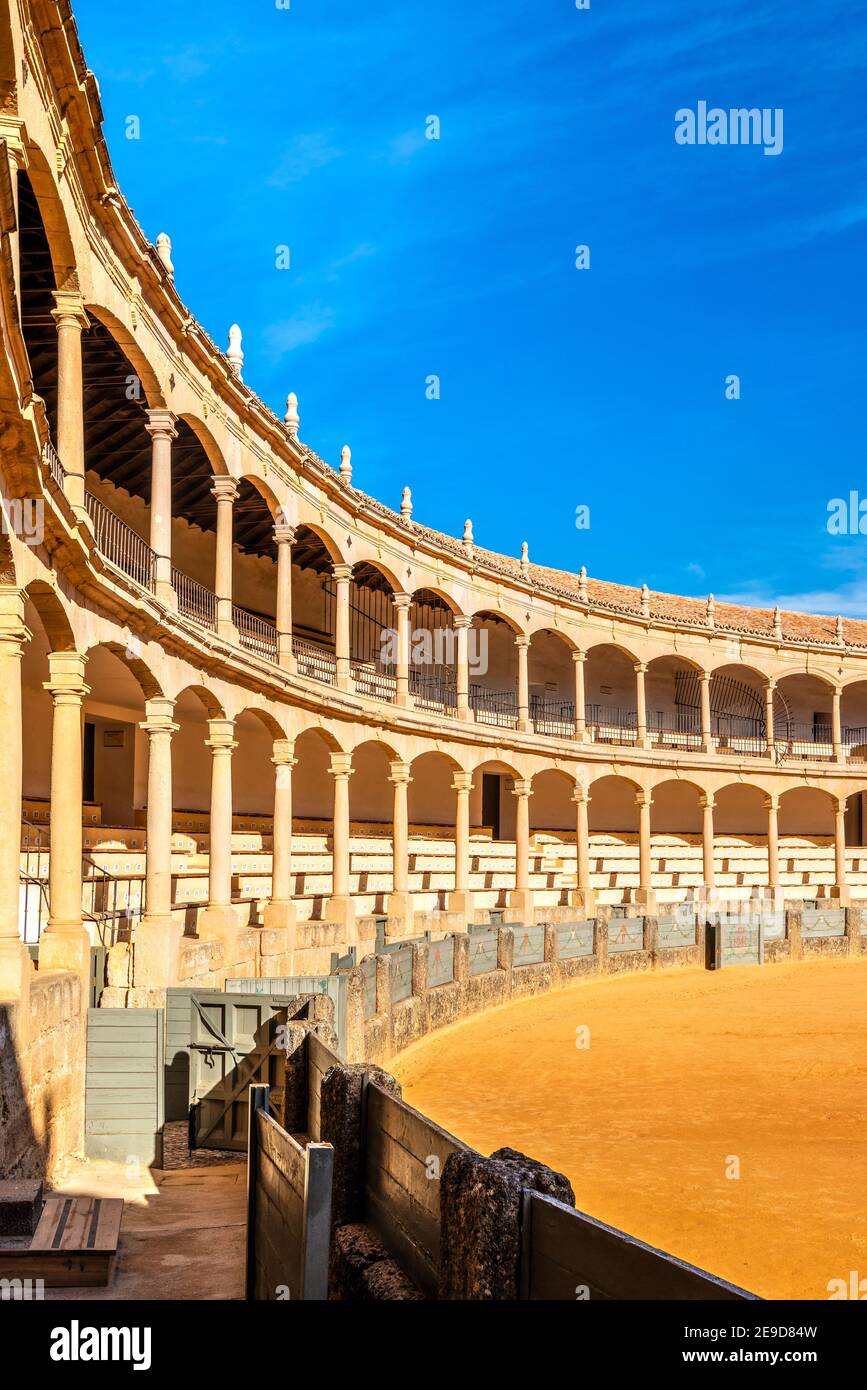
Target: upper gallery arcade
(278, 643)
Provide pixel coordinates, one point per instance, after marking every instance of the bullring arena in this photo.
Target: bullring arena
(277, 761)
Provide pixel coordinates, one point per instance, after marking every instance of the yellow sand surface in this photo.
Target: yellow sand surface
(688, 1077)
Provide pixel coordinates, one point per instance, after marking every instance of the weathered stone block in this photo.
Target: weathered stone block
(363, 1271)
(20, 1207)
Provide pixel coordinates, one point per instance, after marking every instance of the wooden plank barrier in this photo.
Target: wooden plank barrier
(566, 1255)
(288, 1210)
(405, 1154)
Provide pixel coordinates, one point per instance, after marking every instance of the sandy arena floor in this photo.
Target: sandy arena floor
(684, 1072)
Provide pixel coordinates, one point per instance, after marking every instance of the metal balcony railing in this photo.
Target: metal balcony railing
(436, 693)
(611, 724)
(855, 743)
(809, 742)
(120, 545)
(315, 662)
(371, 680)
(738, 736)
(255, 634)
(552, 716)
(51, 459)
(679, 728)
(497, 707)
(194, 600)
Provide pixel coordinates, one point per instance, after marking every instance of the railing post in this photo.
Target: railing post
(259, 1100)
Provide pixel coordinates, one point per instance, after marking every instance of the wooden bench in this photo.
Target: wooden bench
(74, 1244)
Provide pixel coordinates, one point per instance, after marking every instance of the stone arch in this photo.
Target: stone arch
(312, 783)
(264, 717)
(739, 810)
(52, 615)
(676, 808)
(208, 442)
(371, 799)
(613, 809)
(806, 811)
(214, 708)
(431, 796)
(41, 178)
(148, 683)
(552, 807)
(129, 346)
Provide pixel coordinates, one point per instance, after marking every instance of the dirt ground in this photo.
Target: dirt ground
(689, 1077)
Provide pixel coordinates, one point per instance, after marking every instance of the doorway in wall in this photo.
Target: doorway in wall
(491, 802)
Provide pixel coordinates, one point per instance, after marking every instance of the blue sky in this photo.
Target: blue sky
(263, 127)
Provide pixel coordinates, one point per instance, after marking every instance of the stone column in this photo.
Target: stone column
(461, 900)
(580, 659)
(340, 909)
(280, 913)
(71, 320)
(772, 807)
(706, 719)
(401, 903)
(65, 944)
(770, 689)
(16, 968)
(641, 704)
(837, 727)
(521, 900)
(583, 898)
(284, 538)
(157, 938)
(402, 606)
(225, 492)
(842, 891)
(522, 642)
(161, 428)
(462, 626)
(644, 893)
(707, 841)
(219, 919)
(342, 579)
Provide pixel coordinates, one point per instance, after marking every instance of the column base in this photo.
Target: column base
(280, 916)
(156, 952)
(217, 922)
(65, 948)
(522, 900)
(584, 901)
(16, 971)
(462, 901)
(227, 631)
(402, 907)
(165, 594)
(340, 912)
(646, 898)
(843, 893)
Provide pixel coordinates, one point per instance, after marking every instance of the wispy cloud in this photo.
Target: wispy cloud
(187, 64)
(305, 326)
(306, 154)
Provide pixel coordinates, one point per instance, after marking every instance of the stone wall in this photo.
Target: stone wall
(247, 954)
(42, 1071)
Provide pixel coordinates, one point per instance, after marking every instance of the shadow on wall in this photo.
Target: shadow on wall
(22, 1154)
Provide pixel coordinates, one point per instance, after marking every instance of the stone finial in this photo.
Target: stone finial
(164, 251)
(292, 419)
(582, 584)
(711, 611)
(778, 622)
(235, 353)
(525, 559)
(468, 537)
(406, 506)
(840, 638)
(346, 464)
(645, 601)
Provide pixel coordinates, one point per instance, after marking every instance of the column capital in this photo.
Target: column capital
(69, 311)
(224, 489)
(644, 798)
(402, 602)
(707, 802)
(222, 735)
(341, 766)
(461, 622)
(522, 787)
(400, 774)
(772, 803)
(841, 805)
(462, 782)
(161, 423)
(13, 629)
(283, 754)
(771, 686)
(158, 717)
(581, 796)
(640, 668)
(579, 656)
(341, 571)
(522, 640)
(705, 677)
(66, 676)
(284, 534)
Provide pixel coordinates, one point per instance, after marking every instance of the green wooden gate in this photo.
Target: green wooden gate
(123, 1110)
(217, 1046)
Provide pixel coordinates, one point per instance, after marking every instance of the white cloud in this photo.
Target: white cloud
(305, 326)
(306, 154)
